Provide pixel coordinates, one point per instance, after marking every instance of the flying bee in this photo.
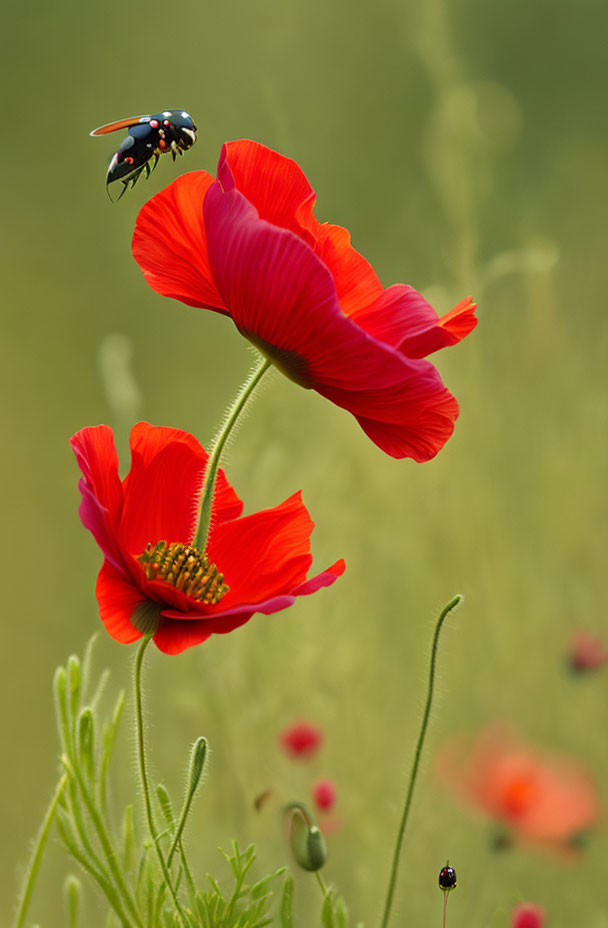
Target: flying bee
(149, 137)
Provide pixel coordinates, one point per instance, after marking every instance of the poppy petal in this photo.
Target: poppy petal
(357, 284)
(413, 418)
(174, 637)
(403, 318)
(275, 185)
(174, 461)
(170, 246)
(264, 554)
(282, 195)
(281, 296)
(215, 619)
(100, 487)
(117, 599)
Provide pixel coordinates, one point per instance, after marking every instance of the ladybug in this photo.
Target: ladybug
(149, 137)
(447, 878)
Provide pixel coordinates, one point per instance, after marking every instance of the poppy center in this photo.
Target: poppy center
(185, 568)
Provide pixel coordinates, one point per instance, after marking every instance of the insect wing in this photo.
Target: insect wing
(120, 124)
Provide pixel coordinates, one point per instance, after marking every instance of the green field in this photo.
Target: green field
(465, 146)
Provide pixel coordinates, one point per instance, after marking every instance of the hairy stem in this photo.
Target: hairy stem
(202, 531)
(143, 774)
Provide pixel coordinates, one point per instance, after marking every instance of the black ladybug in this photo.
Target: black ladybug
(172, 131)
(447, 878)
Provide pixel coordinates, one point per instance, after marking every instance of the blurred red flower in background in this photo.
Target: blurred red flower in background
(324, 795)
(539, 797)
(527, 915)
(587, 651)
(301, 740)
(151, 580)
(249, 246)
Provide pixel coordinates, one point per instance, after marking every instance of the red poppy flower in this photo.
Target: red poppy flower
(301, 740)
(587, 651)
(541, 798)
(528, 915)
(151, 578)
(248, 245)
(324, 795)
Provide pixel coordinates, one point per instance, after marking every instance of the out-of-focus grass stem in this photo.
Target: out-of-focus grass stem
(38, 853)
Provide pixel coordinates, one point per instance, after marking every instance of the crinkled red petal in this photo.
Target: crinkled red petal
(403, 318)
(117, 599)
(169, 243)
(100, 487)
(282, 195)
(162, 489)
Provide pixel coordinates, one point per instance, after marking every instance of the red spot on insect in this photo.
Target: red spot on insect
(129, 160)
(166, 123)
(162, 145)
(154, 123)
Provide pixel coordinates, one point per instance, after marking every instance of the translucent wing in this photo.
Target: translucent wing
(120, 124)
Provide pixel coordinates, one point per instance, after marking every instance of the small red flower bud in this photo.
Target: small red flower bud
(324, 795)
(301, 740)
(528, 915)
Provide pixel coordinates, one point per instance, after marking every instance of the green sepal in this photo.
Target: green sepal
(306, 838)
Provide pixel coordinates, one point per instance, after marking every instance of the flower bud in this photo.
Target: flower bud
(306, 838)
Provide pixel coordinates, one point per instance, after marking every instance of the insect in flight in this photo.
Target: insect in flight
(149, 137)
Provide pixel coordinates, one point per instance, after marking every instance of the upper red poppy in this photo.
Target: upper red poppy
(256, 563)
(248, 245)
(541, 798)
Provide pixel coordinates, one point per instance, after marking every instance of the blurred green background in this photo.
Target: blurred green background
(464, 145)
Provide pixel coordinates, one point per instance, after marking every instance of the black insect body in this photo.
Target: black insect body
(149, 137)
(447, 878)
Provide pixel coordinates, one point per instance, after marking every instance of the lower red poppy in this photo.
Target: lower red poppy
(152, 580)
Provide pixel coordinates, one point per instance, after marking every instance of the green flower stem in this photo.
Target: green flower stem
(38, 853)
(219, 442)
(141, 756)
(417, 755)
(321, 883)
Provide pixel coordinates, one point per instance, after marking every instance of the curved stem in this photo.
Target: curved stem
(37, 854)
(202, 531)
(143, 774)
(321, 883)
(417, 755)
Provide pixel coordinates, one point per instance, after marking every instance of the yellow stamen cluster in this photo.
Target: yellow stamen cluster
(186, 569)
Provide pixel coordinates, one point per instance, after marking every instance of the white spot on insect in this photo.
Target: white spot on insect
(148, 144)
(166, 113)
(185, 115)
